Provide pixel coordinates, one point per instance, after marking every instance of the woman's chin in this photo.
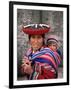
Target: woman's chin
(35, 49)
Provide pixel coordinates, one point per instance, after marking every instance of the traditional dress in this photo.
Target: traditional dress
(44, 63)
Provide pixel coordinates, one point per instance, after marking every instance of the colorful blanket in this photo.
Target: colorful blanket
(45, 56)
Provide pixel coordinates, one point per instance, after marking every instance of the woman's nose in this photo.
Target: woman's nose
(36, 40)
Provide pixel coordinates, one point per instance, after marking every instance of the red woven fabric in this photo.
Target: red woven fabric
(46, 74)
(35, 31)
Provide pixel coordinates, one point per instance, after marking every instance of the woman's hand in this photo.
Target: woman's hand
(26, 67)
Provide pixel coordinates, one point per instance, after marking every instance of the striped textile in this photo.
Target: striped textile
(44, 60)
(45, 55)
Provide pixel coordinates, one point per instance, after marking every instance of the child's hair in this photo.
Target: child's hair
(50, 43)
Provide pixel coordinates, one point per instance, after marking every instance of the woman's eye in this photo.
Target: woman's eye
(33, 37)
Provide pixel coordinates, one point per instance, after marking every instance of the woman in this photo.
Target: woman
(40, 62)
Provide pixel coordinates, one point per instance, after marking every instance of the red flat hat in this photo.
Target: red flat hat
(34, 29)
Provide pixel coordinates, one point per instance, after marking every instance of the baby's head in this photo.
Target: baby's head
(52, 43)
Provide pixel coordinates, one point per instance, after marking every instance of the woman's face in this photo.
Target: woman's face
(36, 42)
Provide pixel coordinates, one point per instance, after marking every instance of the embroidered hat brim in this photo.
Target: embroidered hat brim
(36, 29)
